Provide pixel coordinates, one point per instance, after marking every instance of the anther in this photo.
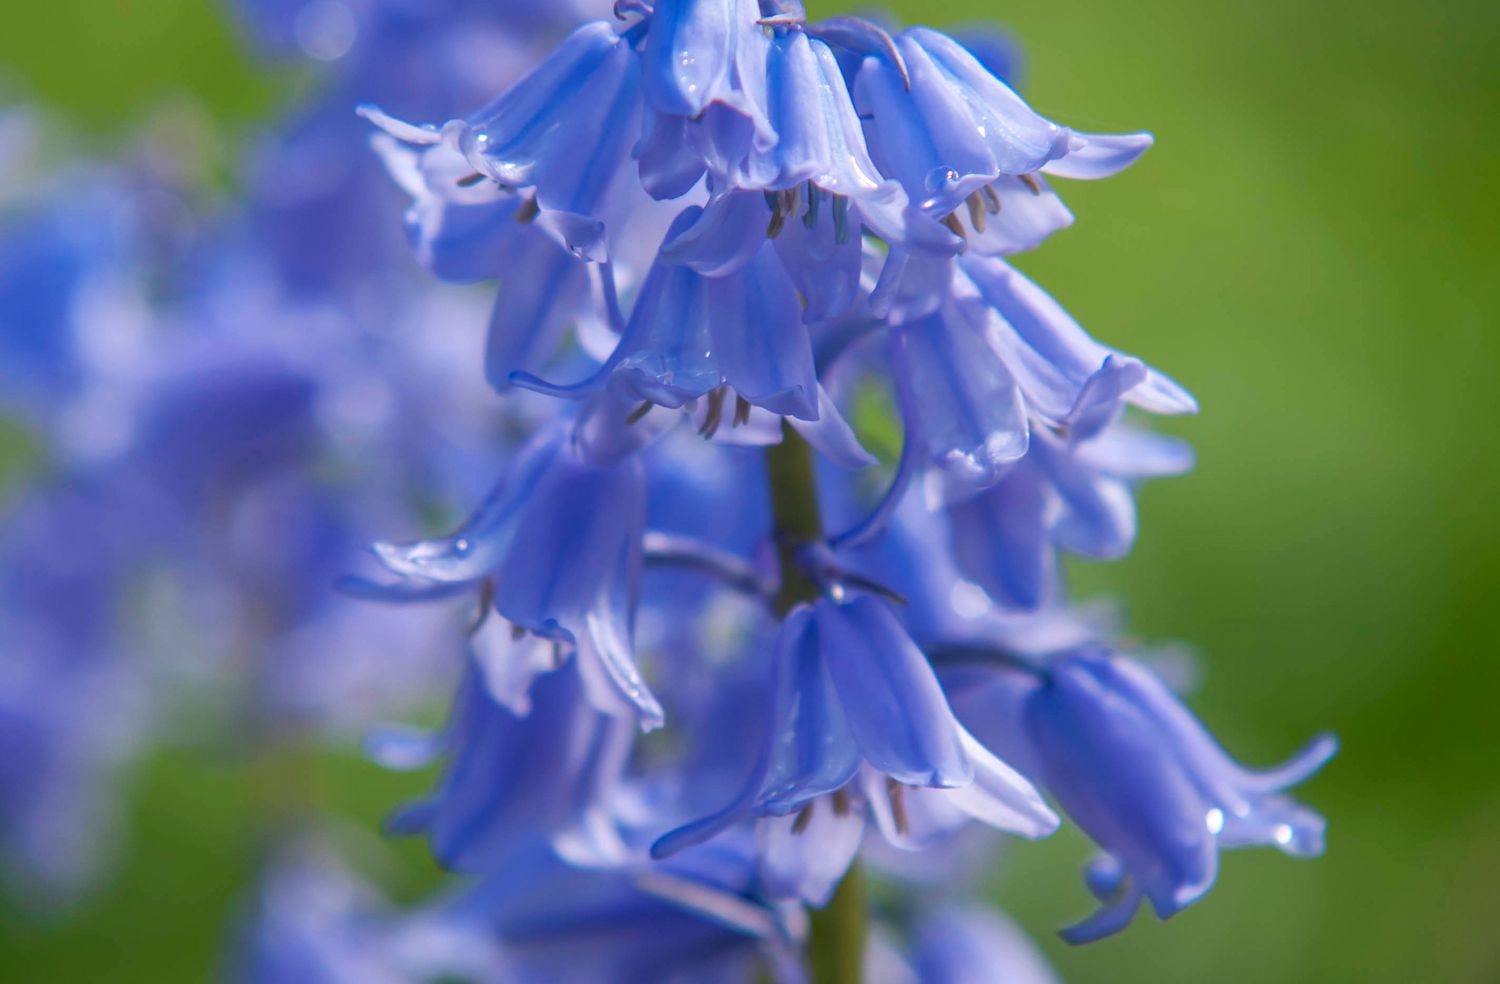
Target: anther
(715, 415)
(951, 221)
(840, 219)
(471, 180)
(977, 214)
(741, 411)
(991, 199)
(841, 802)
(528, 211)
(783, 204)
(486, 600)
(517, 632)
(1030, 181)
(897, 793)
(804, 818)
(639, 412)
(814, 197)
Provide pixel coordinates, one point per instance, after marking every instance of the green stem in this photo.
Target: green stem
(837, 944)
(794, 505)
(836, 947)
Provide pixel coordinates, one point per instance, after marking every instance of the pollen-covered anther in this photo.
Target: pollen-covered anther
(715, 414)
(897, 793)
(1030, 181)
(840, 219)
(840, 802)
(486, 603)
(991, 199)
(741, 411)
(639, 412)
(471, 180)
(814, 199)
(783, 205)
(952, 221)
(804, 818)
(528, 211)
(978, 215)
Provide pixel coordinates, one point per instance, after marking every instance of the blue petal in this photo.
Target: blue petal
(969, 418)
(1051, 356)
(700, 52)
(813, 751)
(1098, 517)
(832, 436)
(764, 351)
(668, 166)
(480, 545)
(1111, 769)
(895, 707)
(539, 296)
(1101, 156)
(720, 238)
(1000, 540)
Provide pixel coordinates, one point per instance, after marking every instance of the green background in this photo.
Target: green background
(1312, 248)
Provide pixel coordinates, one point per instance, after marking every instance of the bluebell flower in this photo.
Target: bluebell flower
(690, 334)
(697, 917)
(72, 699)
(959, 944)
(1138, 772)
(491, 798)
(1069, 380)
(1061, 496)
(859, 720)
(817, 172)
(559, 543)
(703, 53)
(564, 130)
(946, 610)
(946, 128)
(313, 921)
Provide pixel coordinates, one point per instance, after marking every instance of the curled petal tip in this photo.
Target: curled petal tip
(400, 129)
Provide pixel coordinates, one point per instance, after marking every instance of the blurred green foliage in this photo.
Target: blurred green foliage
(1312, 248)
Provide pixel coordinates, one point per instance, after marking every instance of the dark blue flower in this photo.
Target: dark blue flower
(698, 917)
(559, 541)
(946, 128)
(1142, 777)
(1075, 497)
(492, 797)
(855, 699)
(564, 130)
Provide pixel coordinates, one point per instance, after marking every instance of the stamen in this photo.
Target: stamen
(951, 221)
(804, 817)
(978, 217)
(557, 656)
(814, 197)
(741, 411)
(528, 211)
(471, 180)
(715, 414)
(897, 794)
(486, 600)
(840, 219)
(1030, 181)
(783, 204)
(639, 412)
(517, 632)
(841, 802)
(991, 199)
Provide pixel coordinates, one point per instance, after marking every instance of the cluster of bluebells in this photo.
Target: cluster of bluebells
(710, 653)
